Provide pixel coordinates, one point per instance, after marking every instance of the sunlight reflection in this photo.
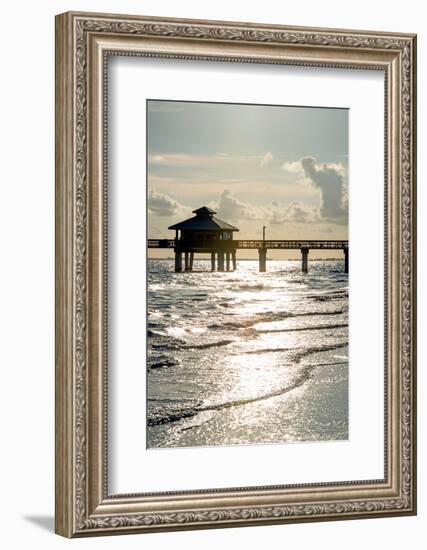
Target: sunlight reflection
(243, 356)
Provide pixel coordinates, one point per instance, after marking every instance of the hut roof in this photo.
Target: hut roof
(204, 211)
(204, 220)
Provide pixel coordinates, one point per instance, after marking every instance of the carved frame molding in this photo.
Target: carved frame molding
(83, 42)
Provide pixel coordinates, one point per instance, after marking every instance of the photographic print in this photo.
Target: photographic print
(247, 272)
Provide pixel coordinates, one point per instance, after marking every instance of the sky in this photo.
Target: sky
(282, 167)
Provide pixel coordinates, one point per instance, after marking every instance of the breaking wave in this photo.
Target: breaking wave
(167, 415)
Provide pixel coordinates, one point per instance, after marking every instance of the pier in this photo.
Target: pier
(206, 234)
(227, 249)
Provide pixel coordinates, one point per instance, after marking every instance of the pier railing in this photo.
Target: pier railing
(250, 244)
(291, 244)
(161, 243)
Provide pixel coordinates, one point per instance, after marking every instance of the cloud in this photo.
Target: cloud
(178, 158)
(161, 204)
(232, 208)
(295, 212)
(293, 167)
(217, 159)
(329, 179)
(266, 159)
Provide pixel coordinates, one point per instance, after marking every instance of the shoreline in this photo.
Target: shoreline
(243, 424)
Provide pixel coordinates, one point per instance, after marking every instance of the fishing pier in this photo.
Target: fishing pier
(206, 234)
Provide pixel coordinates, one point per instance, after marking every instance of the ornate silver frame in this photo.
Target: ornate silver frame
(83, 505)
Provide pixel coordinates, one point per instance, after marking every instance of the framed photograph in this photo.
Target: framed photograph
(235, 274)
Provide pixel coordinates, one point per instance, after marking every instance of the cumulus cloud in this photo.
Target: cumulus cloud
(161, 204)
(329, 179)
(266, 159)
(231, 208)
(295, 212)
(293, 167)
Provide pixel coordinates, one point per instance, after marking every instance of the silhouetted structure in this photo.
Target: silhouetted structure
(205, 233)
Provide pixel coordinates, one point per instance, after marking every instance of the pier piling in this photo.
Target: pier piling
(178, 260)
(233, 255)
(304, 266)
(346, 259)
(212, 261)
(227, 261)
(220, 261)
(262, 252)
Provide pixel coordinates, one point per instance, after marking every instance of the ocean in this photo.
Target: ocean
(246, 357)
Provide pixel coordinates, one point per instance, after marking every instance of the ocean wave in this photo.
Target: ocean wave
(268, 317)
(164, 342)
(153, 324)
(315, 313)
(170, 343)
(326, 297)
(155, 333)
(297, 354)
(163, 417)
(259, 286)
(162, 362)
(208, 345)
(300, 329)
(238, 324)
(246, 322)
(167, 415)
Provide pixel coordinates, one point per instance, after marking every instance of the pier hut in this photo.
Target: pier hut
(204, 233)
